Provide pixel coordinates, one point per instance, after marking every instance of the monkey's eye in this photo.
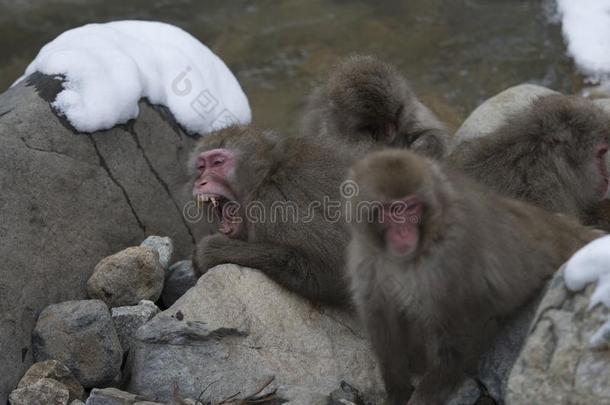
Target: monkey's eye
(218, 162)
(412, 207)
(201, 166)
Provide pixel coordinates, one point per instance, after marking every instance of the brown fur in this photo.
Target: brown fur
(479, 256)
(364, 100)
(543, 154)
(305, 257)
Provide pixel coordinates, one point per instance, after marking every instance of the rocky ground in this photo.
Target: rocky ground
(95, 312)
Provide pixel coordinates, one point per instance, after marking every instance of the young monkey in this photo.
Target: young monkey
(433, 260)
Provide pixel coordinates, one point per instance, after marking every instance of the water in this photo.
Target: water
(456, 53)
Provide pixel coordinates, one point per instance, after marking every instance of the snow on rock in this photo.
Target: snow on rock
(586, 28)
(592, 264)
(109, 67)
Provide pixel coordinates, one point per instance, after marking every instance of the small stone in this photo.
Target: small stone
(128, 319)
(178, 280)
(147, 403)
(112, 396)
(164, 247)
(127, 277)
(346, 395)
(81, 335)
(44, 392)
(54, 370)
(77, 402)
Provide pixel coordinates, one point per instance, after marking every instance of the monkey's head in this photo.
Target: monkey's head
(227, 165)
(370, 100)
(396, 202)
(572, 135)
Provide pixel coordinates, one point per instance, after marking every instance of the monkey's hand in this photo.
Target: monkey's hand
(211, 251)
(431, 144)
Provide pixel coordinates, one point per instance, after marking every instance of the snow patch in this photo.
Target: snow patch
(109, 67)
(586, 29)
(589, 265)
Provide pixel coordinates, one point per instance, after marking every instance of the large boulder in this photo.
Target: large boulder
(235, 329)
(492, 113)
(69, 199)
(557, 364)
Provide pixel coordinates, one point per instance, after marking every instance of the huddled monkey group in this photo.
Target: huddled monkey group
(482, 224)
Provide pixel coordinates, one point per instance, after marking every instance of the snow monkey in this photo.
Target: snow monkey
(367, 100)
(434, 259)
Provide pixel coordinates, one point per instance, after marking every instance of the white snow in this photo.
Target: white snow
(110, 67)
(586, 28)
(589, 265)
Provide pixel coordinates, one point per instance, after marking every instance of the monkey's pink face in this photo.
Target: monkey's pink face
(604, 184)
(401, 220)
(215, 174)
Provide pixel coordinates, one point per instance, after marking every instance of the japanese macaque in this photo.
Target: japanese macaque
(367, 100)
(269, 192)
(551, 154)
(435, 259)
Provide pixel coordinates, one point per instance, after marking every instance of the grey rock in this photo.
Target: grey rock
(77, 402)
(54, 370)
(68, 200)
(44, 392)
(603, 103)
(346, 394)
(556, 365)
(178, 280)
(163, 246)
(239, 328)
(147, 403)
(492, 113)
(128, 319)
(112, 396)
(80, 334)
(468, 394)
(127, 277)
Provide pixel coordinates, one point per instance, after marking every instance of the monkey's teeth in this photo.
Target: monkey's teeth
(214, 202)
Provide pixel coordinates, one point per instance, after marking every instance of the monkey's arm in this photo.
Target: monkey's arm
(430, 137)
(431, 143)
(285, 265)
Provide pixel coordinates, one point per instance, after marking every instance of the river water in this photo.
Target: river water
(456, 53)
